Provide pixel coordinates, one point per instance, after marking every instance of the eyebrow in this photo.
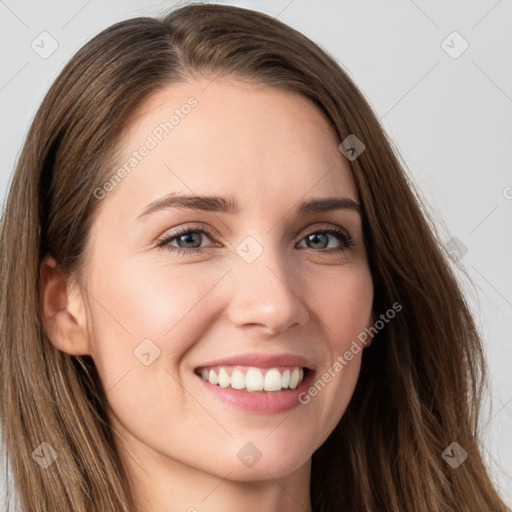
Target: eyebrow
(230, 206)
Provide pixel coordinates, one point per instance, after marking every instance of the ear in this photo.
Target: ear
(64, 313)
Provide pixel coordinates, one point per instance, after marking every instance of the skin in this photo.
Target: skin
(269, 149)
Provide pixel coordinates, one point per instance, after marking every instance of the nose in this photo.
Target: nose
(266, 293)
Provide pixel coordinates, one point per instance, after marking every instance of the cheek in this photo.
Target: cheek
(345, 305)
(133, 302)
(145, 320)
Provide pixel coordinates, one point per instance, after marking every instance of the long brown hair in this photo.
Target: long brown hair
(422, 377)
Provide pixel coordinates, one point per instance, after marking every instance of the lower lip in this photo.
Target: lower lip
(266, 402)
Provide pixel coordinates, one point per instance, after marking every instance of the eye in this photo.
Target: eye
(189, 240)
(319, 239)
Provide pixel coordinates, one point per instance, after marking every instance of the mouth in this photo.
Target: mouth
(256, 382)
(252, 379)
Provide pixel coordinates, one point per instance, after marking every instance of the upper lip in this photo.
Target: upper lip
(262, 361)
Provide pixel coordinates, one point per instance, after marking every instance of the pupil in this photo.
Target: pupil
(188, 237)
(314, 238)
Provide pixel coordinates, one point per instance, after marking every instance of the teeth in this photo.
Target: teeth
(295, 377)
(212, 377)
(254, 379)
(286, 379)
(273, 380)
(224, 379)
(237, 380)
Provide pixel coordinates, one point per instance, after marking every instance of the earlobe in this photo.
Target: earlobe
(63, 309)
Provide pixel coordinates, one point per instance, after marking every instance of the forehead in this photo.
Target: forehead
(260, 144)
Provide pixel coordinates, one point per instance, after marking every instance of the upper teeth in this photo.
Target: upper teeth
(253, 379)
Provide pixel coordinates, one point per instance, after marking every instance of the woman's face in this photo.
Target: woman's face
(266, 285)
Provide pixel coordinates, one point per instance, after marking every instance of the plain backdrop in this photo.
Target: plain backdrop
(439, 77)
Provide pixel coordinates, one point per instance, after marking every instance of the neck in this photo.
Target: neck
(163, 484)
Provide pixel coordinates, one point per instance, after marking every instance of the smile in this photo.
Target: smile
(250, 378)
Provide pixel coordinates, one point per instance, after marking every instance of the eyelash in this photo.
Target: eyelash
(344, 237)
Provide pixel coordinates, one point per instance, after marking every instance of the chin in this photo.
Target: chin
(274, 463)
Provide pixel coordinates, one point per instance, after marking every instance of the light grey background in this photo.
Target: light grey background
(450, 119)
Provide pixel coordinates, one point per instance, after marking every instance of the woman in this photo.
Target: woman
(310, 350)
